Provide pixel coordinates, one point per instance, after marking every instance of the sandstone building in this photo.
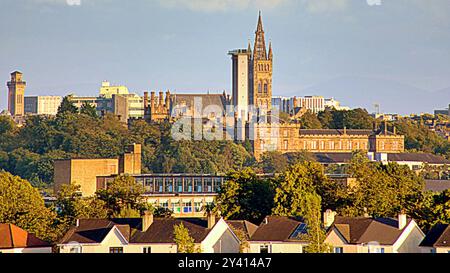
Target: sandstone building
(16, 93)
(84, 172)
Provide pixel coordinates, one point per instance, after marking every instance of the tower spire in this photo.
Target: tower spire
(270, 51)
(260, 53)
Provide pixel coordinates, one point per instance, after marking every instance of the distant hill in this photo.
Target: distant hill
(393, 97)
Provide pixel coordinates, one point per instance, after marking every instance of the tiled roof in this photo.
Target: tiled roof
(333, 157)
(11, 236)
(160, 231)
(248, 228)
(206, 99)
(438, 236)
(362, 230)
(277, 229)
(418, 157)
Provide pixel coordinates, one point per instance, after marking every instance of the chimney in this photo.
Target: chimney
(167, 99)
(328, 218)
(385, 127)
(152, 100)
(78, 222)
(402, 220)
(395, 130)
(161, 98)
(147, 220)
(345, 130)
(145, 100)
(211, 220)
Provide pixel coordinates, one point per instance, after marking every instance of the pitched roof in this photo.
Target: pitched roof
(335, 158)
(11, 236)
(247, 227)
(438, 236)
(278, 229)
(418, 157)
(362, 230)
(206, 99)
(160, 231)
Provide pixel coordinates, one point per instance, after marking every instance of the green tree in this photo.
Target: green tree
(309, 120)
(67, 107)
(185, 243)
(294, 186)
(88, 109)
(23, 206)
(72, 206)
(315, 231)
(274, 162)
(245, 196)
(122, 193)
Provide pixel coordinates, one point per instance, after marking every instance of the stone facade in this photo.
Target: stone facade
(16, 93)
(289, 138)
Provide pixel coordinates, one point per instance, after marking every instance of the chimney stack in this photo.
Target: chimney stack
(385, 127)
(145, 100)
(328, 218)
(402, 221)
(152, 101)
(211, 220)
(147, 220)
(161, 98)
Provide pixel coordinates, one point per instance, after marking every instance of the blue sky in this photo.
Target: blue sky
(348, 49)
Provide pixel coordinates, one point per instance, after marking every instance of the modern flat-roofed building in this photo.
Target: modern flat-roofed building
(84, 172)
(42, 105)
(184, 194)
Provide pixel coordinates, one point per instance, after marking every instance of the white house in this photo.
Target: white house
(147, 235)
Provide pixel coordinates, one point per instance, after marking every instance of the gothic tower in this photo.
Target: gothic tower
(16, 93)
(260, 71)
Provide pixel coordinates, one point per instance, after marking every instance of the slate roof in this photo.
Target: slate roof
(247, 227)
(338, 132)
(160, 231)
(418, 157)
(277, 229)
(438, 236)
(362, 230)
(11, 236)
(206, 99)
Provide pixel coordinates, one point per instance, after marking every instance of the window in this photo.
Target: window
(208, 184)
(187, 207)
(338, 250)
(217, 184)
(116, 250)
(178, 185)
(75, 249)
(188, 185)
(198, 184)
(286, 144)
(148, 185)
(169, 185)
(147, 250)
(176, 207)
(164, 205)
(300, 230)
(260, 88)
(266, 88)
(198, 206)
(264, 249)
(159, 184)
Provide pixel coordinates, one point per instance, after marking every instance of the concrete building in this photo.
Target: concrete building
(16, 94)
(277, 234)
(240, 82)
(84, 172)
(147, 235)
(42, 105)
(372, 235)
(13, 239)
(184, 194)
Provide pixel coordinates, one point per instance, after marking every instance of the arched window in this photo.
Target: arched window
(266, 88)
(260, 87)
